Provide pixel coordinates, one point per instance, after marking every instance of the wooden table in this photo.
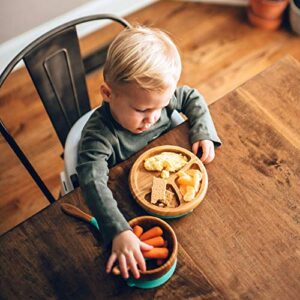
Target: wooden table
(242, 242)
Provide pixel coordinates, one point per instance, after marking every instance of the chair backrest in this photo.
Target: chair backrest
(55, 65)
(56, 68)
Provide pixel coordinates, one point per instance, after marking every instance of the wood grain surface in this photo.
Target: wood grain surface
(241, 243)
(219, 50)
(54, 256)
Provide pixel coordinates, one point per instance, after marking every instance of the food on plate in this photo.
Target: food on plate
(158, 190)
(160, 196)
(165, 162)
(189, 183)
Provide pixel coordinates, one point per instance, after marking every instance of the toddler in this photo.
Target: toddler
(139, 94)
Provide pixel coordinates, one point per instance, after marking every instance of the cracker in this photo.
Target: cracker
(170, 199)
(158, 191)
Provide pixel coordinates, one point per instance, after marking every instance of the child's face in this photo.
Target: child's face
(134, 108)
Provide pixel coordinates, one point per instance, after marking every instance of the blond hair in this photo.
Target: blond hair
(145, 56)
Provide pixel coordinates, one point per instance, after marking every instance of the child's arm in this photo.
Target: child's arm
(94, 153)
(202, 132)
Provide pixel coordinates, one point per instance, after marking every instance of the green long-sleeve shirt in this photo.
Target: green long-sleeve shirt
(105, 143)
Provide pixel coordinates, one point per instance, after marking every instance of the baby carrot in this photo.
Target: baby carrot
(116, 270)
(160, 253)
(138, 230)
(153, 232)
(157, 241)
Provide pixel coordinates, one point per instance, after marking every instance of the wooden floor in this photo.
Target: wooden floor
(219, 49)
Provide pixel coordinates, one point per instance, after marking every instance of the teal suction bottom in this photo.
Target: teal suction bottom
(149, 284)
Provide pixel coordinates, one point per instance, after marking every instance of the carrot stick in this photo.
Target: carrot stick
(138, 230)
(153, 232)
(161, 253)
(157, 241)
(116, 270)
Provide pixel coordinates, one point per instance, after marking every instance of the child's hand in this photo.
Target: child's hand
(208, 150)
(127, 248)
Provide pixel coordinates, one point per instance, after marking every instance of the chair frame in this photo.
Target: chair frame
(25, 53)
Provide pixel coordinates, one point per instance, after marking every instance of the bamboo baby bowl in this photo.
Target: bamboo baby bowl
(159, 275)
(141, 180)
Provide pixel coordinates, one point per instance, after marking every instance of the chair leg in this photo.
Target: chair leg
(20, 154)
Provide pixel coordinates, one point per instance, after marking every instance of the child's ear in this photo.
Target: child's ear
(105, 92)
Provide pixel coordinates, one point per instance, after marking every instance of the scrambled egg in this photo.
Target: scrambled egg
(166, 162)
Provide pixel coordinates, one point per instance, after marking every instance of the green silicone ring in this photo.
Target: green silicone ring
(169, 217)
(149, 284)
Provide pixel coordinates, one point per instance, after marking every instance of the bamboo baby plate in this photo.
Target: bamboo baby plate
(141, 182)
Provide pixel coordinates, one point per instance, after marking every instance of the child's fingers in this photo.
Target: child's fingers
(140, 260)
(131, 262)
(211, 155)
(195, 148)
(123, 266)
(145, 247)
(111, 262)
(205, 150)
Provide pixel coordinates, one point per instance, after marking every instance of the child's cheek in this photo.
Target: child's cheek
(157, 115)
(137, 117)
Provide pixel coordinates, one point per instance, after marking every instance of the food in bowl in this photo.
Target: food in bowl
(161, 260)
(159, 234)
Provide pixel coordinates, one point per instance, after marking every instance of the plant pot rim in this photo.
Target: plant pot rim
(267, 24)
(271, 2)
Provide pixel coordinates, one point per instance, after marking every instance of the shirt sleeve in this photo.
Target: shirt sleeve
(92, 168)
(192, 104)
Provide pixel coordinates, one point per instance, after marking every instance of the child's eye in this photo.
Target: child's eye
(141, 110)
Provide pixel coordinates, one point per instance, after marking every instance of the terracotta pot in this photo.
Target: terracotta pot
(269, 24)
(268, 9)
(295, 17)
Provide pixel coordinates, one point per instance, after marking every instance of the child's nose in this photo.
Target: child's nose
(150, 118)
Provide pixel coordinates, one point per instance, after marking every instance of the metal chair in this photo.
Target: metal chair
(56, 67)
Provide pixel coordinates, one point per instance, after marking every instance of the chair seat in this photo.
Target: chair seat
(70, 153)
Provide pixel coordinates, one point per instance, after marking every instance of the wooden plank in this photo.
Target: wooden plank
(279, 99)
(248, 226)
(54, 256)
